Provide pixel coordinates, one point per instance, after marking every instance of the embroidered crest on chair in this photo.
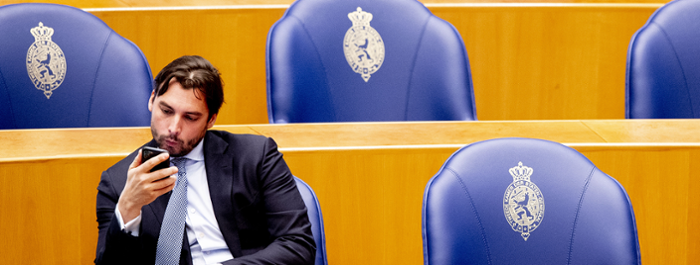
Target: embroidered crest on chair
(363, 46)
(46, 63)
(523, 203)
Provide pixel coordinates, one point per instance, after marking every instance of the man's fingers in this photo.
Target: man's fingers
(137, 161)
(150, 163)
(161, 174)
(162, 186)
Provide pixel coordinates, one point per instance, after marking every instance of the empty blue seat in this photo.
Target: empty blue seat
(366, 60)
(663, 64)
(63, 67)
(526, 201)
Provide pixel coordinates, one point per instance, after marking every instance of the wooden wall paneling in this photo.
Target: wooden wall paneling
(48, 210)
(661, 186)
(73, 3)
(693, 244)
(232, 39)
(534, 61)
(371, 200)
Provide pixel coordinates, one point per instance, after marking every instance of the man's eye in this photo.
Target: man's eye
(167, 111)
(190, 118)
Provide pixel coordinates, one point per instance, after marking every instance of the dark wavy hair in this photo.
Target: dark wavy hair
(196, 73)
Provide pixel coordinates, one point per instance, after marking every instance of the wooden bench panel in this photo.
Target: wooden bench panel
(369, 178)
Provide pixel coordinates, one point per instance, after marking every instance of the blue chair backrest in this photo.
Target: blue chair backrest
(63, 67)
(663, 64)
(366, 60)
(526, 201)
(313, 209)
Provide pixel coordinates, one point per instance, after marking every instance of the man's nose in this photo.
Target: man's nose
(175, 125)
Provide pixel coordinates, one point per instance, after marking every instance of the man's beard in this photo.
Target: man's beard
(184, 148)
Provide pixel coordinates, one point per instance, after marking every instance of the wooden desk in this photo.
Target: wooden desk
(369, 178)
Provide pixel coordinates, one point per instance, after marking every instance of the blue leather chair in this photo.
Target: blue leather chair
(663, 64)
(63, 67)
(366, 60)
(526, 201)
(313, 209)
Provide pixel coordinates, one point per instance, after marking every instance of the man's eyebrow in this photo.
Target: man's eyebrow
(163, 104)
(194, 113)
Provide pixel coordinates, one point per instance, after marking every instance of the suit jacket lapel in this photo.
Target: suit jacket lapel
(218, 161)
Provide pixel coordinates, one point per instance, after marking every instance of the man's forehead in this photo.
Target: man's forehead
(183, 100)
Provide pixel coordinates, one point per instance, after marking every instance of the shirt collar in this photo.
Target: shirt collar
(197, 154)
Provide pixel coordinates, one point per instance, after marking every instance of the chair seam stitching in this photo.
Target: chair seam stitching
(476, 214)
(685, 80)
(578, 211)
(413, 65)
(94, 80)
(9, 100)
(325, 69)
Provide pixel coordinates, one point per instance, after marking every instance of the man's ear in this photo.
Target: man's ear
(212, 121)
(151, 99)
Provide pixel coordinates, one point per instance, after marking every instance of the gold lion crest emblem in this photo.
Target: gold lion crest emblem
(523, 203)
(46, 63)
(363, 46)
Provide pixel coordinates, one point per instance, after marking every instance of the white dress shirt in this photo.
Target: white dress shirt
(207, 244)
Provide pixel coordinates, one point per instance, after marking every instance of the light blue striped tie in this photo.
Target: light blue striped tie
(173, 227)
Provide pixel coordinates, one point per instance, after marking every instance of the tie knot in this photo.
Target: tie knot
(179, 162)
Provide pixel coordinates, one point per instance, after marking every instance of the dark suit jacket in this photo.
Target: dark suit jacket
(257, 206)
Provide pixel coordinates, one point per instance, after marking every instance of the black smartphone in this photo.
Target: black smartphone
(148, 152)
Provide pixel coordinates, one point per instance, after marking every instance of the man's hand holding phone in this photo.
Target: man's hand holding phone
(151, 152)
(147, 179)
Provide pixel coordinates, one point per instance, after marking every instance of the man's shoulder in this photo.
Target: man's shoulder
(239, 140)
(238, 136)
(239, 146)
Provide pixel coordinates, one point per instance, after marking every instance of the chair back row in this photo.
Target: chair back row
(327, 61)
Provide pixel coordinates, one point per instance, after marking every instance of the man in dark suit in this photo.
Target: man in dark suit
(242, 204)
